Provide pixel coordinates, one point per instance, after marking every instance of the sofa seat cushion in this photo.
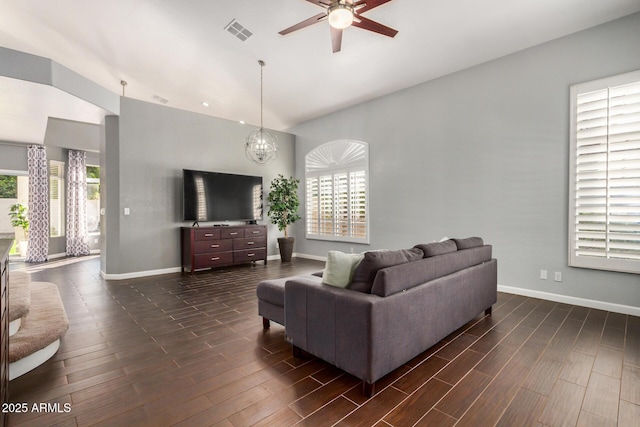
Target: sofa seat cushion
(272, 291)
(340, 268)
(373, 261)
(394, 279)
(437, 248)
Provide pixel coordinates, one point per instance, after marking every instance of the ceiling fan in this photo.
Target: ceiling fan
(342, 14)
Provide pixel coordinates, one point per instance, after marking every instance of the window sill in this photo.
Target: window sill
(364, 241)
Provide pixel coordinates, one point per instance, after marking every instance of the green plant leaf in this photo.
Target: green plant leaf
(283, 202)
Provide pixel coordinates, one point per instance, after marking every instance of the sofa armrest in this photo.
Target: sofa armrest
(363, 334)
(311, 317)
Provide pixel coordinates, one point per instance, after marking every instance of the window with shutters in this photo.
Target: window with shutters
(604, 211)
(336, 190)
(93, 199)
(56, 198)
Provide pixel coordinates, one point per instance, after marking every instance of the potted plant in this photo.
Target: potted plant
(283, 210)
(19, 219)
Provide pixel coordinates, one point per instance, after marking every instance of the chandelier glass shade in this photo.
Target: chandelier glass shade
(261, 146)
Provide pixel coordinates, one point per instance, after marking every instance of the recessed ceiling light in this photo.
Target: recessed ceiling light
(241, 122)
(205, 103)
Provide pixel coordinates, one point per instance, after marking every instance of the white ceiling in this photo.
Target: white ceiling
(179, 50)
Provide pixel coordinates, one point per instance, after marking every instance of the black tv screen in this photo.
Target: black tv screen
(215, 196)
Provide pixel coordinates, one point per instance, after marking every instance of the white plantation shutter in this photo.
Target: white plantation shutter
(604, 210)
(358, 203)
(336, 192)
(326, 205)
(56, 198)
(341, 204)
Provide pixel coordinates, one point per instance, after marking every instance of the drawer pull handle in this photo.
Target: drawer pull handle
(255, 232)
(208, 234)
(215, 246)
(251, 254)
(251, 243)
(215, 258)
(233, 234)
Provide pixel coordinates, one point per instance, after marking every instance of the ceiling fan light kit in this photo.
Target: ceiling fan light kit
(261, 146)
(342, 14)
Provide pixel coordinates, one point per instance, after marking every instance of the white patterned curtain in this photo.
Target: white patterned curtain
(38, 249)
(77, 236)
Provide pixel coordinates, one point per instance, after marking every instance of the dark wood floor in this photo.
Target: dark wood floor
(190, 351)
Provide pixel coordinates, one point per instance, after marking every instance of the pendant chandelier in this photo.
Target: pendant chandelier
(261, 145)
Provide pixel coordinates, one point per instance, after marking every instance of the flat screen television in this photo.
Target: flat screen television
(215, 196)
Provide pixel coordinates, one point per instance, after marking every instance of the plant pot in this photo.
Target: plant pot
(22, 247)
(285, 244)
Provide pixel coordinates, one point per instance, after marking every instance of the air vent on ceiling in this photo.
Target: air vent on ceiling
(235, 28)
(160, 99)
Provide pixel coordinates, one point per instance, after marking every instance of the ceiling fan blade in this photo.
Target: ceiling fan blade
(376, 27)
(364, 5)
(322, 3)
(307, 22)
(336, 39)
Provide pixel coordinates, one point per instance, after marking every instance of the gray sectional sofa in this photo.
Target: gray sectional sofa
(398, 304)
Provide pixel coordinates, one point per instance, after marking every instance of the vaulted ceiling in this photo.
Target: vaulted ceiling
(179, 52)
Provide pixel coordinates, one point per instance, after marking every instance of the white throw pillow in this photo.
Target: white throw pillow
(339, 269)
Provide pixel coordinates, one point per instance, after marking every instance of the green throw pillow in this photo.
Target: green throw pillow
(339, 269)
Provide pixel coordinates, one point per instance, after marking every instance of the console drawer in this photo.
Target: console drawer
(255, 231)
(213, 259)
(231, 232)
(206, 246)
(249, 255)
(206, 234)
(249, 243)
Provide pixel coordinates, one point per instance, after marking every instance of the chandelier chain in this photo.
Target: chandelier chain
(262, 64)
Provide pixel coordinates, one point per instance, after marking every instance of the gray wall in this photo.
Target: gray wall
(13, 156)
(146, 149)
(484, 152)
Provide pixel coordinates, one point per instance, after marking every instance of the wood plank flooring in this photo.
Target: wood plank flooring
(190, 351)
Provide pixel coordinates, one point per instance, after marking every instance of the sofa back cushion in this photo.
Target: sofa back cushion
(398, 278)
(437, 248)
(373, 261)
(468, 243)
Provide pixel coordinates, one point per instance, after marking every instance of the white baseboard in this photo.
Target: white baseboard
(137, 274)
(276, 257)
(313, 257)
(600, 305)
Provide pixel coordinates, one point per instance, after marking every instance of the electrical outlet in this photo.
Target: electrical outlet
(557, 276)
(543, 274)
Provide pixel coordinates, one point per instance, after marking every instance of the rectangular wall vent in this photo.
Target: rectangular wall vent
(235, 28)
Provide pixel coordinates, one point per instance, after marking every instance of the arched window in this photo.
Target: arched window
(337, 191)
